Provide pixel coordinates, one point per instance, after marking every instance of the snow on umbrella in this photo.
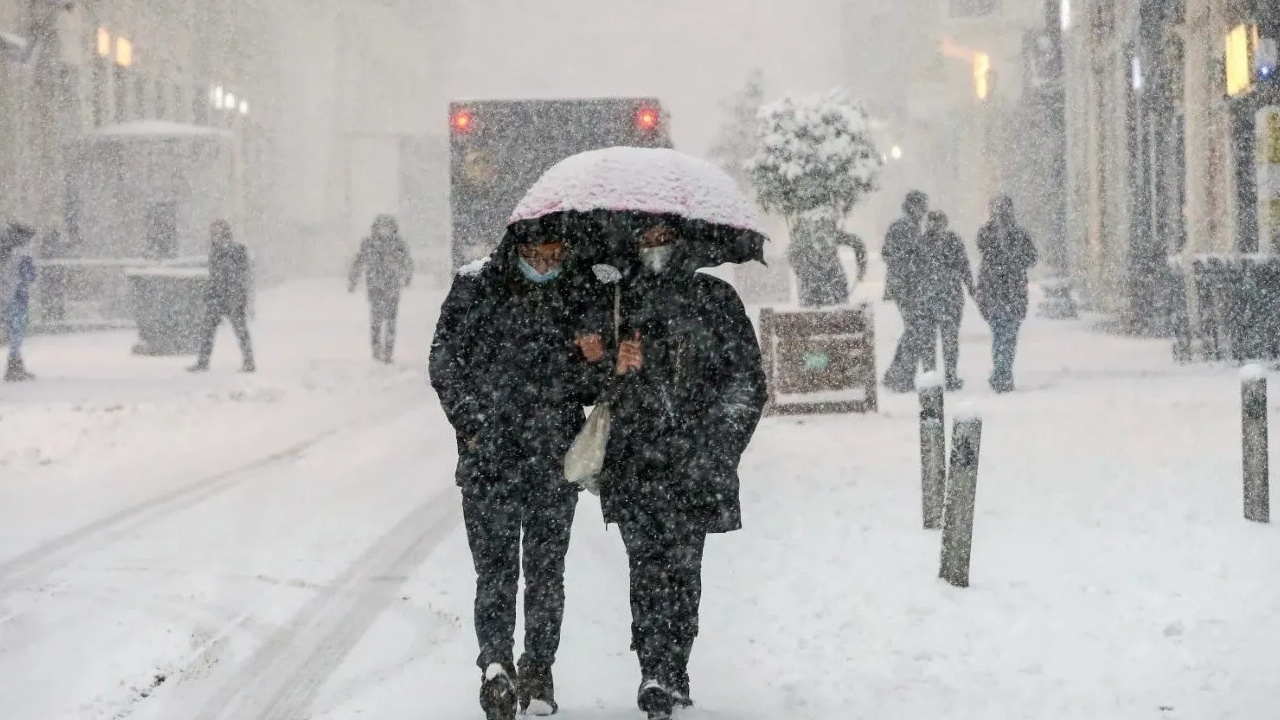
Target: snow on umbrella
(587, 190)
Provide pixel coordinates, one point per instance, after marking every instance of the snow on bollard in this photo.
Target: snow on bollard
(962, 487)
(933, 449)
(1253, 436)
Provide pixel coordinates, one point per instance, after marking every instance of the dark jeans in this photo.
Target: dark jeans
(494, 515)
(912, 348)
(384, 307)
(946, 326)
(665, 558)
(212, 319)
(1004, 346)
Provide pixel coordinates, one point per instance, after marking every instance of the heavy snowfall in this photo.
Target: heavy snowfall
(389, 360)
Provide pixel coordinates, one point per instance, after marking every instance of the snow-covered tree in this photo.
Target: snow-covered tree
(740, 134)
(814, 153)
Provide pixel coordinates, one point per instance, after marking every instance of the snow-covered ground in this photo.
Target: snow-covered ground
(288, 545)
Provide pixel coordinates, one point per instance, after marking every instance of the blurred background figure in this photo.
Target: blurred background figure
(1007, 254)
(945, 277)
(17, 273)
(387, 266)
(901, 253)
(227, 295)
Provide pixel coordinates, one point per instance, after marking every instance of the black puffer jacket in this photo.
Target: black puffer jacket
(681, 424)
(1007, 254)
(509, 375)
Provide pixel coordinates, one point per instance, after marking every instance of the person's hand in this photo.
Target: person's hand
(592, 347)
(630, 355)
(473, 442)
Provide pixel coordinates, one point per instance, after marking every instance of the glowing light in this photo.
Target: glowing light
(1065, 13)
(104, 42)
(462, 121)
(124, 52)
(229, 101)
(218, 97)
(982, 75)
(896, 152)
(244, 107)
(1239, 59)
(647, 119)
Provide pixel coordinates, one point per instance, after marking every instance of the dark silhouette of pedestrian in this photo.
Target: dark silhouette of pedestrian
(815, 259)
(945, 278)
(1007, 254)
(226, 295)
(387, 267)
(17, 274)
(690, 390)
(901, 252)
(514, 360)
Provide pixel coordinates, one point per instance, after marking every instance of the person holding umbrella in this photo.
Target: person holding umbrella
(687, 386)
(508, 365)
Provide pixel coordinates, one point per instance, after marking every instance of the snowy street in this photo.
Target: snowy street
(289, 544)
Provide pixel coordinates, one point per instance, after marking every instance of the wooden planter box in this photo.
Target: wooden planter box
(820, 361)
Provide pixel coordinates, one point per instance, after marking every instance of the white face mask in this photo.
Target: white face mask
(656, 258)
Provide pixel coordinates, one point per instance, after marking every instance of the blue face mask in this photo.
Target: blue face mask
(533, 276)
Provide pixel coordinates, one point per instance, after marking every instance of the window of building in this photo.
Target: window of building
(974, 8)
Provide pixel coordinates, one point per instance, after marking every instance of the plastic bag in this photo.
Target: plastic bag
(585, 459)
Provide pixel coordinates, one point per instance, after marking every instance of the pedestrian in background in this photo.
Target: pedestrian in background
(1002, 292)
(226, 295)
(387, 267)
(945, 278)
(901, 253)
(17, 273)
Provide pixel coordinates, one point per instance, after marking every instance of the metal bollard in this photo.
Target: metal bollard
(1253, 436)
(962, 487)
(933, 449)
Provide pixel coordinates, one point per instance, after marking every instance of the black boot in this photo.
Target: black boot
(16, 371)
(654, 699)
(536, 689)
(498, 692)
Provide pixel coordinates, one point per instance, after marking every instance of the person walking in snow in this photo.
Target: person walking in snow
(512, 364)
(226, 295)
(901, 251)
(387, 267)
(690, 389)
(815, 259)
(17, 273)
(1007, 254)
(945, 278)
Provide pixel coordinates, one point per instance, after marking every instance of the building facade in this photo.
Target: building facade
(323, 98)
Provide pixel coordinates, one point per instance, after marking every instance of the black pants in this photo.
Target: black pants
(1004, 347)
(494, 515)
(665, 558)
(212, 319)
(947, 326)
(384, 307)
(912, 347)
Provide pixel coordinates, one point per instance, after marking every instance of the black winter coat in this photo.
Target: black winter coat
(1007, 254)
(681, 424)
(945, 274)
(901, 252)
(385, 263)
(230, 274)
(510, 377)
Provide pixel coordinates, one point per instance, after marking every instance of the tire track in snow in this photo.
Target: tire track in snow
(281, 680)
(52, 555)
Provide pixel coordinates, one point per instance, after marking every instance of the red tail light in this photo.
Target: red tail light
(648, 119)
(462, 122)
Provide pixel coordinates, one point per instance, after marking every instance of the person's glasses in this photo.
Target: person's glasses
(535, 254)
